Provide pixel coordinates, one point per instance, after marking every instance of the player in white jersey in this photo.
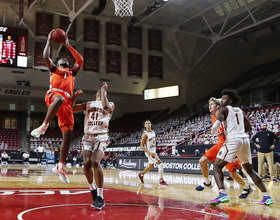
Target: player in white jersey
(237, 144)
(148, 144)
(95, 140)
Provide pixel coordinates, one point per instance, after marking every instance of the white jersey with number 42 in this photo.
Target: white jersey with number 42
(234, 124)
(96, 119)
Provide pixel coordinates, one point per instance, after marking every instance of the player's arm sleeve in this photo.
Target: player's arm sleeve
(79, 60)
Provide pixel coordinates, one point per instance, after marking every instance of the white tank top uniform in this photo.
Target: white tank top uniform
(96, 127)
(237, 141)
(151, 146)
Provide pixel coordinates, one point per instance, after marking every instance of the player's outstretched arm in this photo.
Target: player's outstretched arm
(79, 59)
(47, 53)
(78, 93)
(109, 106)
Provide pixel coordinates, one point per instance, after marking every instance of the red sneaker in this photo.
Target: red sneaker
(141, 178)
(163, 183)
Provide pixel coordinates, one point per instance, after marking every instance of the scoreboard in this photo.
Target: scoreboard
(13, 47)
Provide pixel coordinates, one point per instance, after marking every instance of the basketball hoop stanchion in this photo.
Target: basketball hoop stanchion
(123, 7)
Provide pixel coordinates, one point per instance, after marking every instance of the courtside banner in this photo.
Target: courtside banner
(176, 165)
(171, 164)
(129, 163)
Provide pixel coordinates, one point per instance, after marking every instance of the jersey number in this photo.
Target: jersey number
(94, 116)
(237, 118)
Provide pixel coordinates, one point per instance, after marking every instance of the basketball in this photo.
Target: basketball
(58, 36)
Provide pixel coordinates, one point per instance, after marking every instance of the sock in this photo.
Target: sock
(45, 124)
(100, 192)
(160, 170)
(92, 187)
(206, 179)
(265, 193)
(222, 191)
(246, 186)
(61, 165)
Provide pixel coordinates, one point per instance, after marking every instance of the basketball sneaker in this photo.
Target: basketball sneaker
(222, 198)
(93, 194)
(246, 193)
(202, 186)
(61, 173)
(141, 178)
(163, 183)
(267, 200)
(98, 203)
(38, 131)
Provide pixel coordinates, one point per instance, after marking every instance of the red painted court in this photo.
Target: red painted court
(43, 204)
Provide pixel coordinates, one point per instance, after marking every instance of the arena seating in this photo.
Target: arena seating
(10, 139)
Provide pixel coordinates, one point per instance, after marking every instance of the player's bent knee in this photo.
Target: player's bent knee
(203, 161)
(59, 100)
(95, 163)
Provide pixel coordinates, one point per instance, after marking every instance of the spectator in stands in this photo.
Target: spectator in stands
(176, 154)
(25, 158)
(56, 154)
(127, 154)
(2, 145)
(267, 140)
(40, 153)
(108, 159)
(184, 152)
(78, 159)
(115, 159)
(120, 154)
(4, 158)
(197, 153)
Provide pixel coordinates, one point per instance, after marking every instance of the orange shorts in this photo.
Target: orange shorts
(65, 113)
(234, 166)
(212, 153)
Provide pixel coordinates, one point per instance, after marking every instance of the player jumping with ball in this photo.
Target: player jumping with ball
(58, 100)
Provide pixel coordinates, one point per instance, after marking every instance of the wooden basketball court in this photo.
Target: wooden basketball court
(35, 193)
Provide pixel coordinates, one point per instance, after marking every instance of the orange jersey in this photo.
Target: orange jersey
(221, 135)
(63, 79)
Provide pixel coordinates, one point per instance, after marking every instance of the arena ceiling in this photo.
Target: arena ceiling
(213, 20)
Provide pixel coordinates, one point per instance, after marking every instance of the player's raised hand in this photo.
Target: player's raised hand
(66, 42)
(78, 93)
(105, 86)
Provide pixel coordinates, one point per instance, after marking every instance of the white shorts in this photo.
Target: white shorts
(95, 142)
(152, 160)
(233, 147)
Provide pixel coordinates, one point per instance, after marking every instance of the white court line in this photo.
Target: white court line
(19, 217)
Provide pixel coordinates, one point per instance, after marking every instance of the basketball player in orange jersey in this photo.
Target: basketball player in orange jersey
(148, 145)
(211, 154)
(95, 140)
(58, 100)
